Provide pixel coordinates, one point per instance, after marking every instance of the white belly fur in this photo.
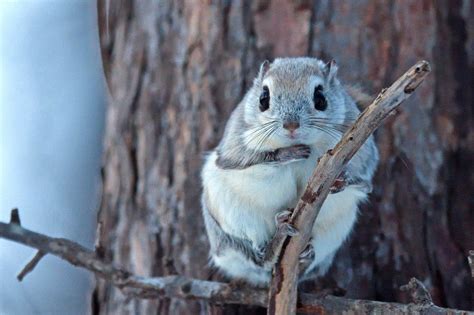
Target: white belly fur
(246, 202)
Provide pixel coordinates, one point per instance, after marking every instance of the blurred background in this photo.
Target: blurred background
(52, 109)
(175, 71)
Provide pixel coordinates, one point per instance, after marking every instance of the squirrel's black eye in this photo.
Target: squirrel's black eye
(264, 99)
(320, 102)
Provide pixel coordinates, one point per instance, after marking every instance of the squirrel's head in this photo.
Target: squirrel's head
(296, 100)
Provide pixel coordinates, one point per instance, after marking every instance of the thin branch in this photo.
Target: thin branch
(283, 289)
(30, 265)
(194, 289)
(143, 287)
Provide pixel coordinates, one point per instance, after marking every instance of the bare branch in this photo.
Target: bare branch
(194, 289)
(15, 217)
(171, 286)
(30, 265)
(338, 305)
(418, 292)
(283, 289)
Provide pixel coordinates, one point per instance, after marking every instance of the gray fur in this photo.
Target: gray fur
(220, 240)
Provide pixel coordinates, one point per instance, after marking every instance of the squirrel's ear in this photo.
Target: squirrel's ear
(331, 70)
(263, 69)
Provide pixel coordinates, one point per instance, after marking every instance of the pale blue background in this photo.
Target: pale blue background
(52, 107)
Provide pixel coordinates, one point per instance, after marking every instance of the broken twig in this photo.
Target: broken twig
(30, 265)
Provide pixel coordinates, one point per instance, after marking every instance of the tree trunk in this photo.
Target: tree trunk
(176, 69)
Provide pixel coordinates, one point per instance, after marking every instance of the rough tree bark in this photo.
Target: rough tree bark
(176, 69)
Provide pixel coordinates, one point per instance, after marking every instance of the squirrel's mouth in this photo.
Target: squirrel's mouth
(293, 134)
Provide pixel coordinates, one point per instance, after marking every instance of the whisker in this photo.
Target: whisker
(329, 132)
(335, 133)
(266, 136)
(327, 123)
(258, 134)
(259, 128)
(263, 138)
(333, 119)
(339, 127)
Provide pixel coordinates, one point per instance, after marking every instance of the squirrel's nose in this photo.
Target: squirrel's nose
(291, 125)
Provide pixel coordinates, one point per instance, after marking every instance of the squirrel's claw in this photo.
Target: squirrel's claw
(307, 253)
(281, 221)
(306, 257)
(283, 216)
(289, 229)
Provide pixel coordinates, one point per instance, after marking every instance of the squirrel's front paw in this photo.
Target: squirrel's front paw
(293, 153)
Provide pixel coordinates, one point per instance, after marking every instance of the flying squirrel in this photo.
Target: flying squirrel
(294, 112)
